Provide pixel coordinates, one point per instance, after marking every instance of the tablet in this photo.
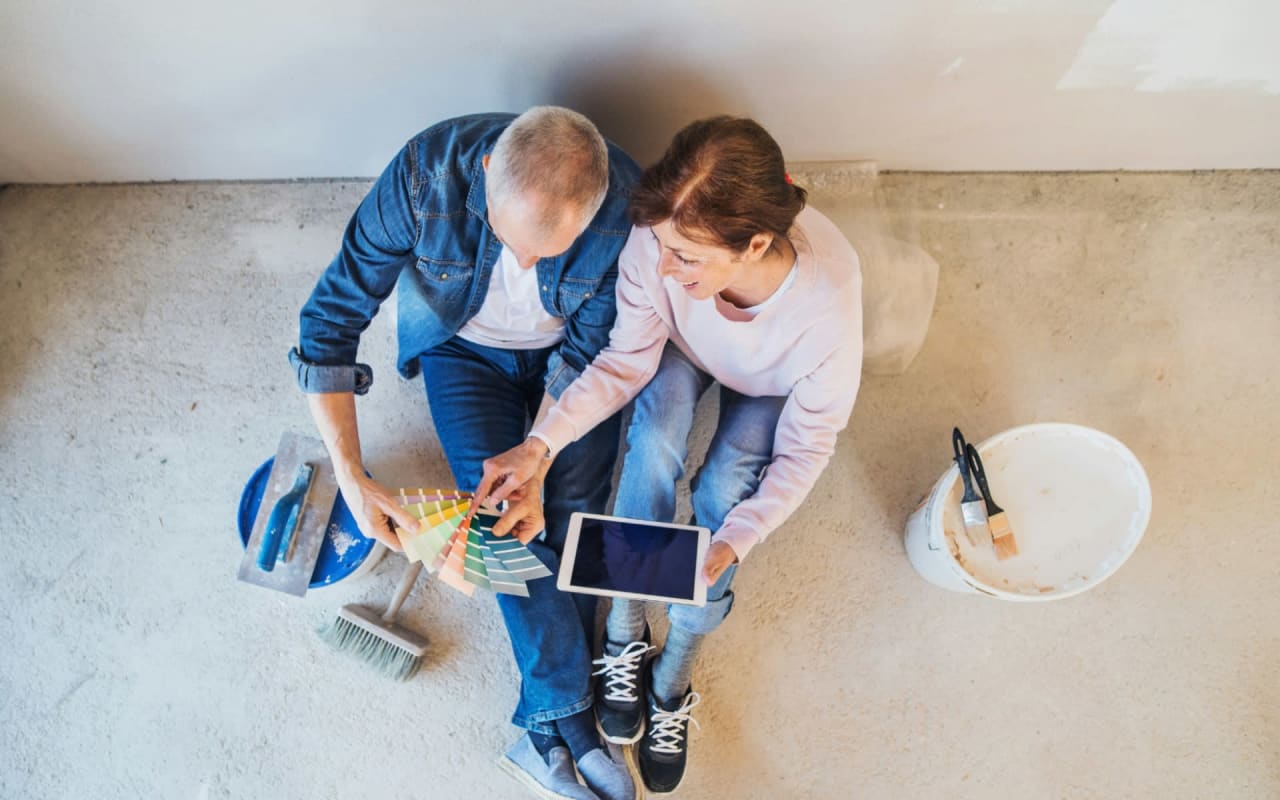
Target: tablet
(634, 558)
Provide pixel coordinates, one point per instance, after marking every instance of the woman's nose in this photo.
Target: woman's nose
(666, 265)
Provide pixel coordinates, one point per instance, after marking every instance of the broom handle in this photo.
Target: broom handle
(402, 591)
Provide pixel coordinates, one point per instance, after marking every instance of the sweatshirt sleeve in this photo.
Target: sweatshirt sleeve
(817, 409)
(625, 365)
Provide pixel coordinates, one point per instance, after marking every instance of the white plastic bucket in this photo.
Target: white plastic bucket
(1078, 502)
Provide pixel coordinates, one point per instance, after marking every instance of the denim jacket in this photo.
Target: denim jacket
(423, 229)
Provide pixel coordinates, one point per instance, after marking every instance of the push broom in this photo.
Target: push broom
(375, 638)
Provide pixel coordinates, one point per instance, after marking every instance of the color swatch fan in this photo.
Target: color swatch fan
(465, 553)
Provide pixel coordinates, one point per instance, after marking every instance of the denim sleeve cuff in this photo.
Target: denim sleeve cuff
(321, 379)
(559, 375)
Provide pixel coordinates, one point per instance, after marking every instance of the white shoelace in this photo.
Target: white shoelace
(620, 672)
(668, 725)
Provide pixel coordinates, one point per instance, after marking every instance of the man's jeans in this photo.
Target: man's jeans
(482, 399)
(658, 443)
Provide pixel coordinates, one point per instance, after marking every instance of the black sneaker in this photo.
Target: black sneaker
(620, 692)
(663, 752)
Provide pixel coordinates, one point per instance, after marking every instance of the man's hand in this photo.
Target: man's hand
(374, 508)
(719, 558)
(523, 517)
(506, 473)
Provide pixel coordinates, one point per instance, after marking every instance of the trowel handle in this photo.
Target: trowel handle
(284, 517)
(283, 520)
(402, 591)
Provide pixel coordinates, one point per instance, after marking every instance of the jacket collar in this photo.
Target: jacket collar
(477, 198)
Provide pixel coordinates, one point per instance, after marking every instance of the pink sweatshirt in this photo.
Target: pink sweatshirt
(806, 345)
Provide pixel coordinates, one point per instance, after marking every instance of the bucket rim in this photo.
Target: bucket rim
(934, 527)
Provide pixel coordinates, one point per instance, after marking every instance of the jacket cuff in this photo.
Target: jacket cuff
(740, 539)
(559, 375)
(321, 379)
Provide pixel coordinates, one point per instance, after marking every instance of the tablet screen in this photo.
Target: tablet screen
(625, 556)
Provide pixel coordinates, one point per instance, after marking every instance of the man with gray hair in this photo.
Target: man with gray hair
(502, 235)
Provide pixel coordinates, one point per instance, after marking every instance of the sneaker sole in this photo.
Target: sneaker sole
(633, 767)
(619, 739)
(513, 769)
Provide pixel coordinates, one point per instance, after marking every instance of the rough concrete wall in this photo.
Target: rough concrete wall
(152, 90)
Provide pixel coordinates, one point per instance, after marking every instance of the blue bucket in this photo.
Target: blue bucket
(345, 549)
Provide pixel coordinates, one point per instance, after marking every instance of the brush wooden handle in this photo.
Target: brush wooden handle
(402, 591)
(980, 473)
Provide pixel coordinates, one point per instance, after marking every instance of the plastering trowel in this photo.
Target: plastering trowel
(290, 526)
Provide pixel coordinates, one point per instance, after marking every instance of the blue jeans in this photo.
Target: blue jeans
(658, 444)
(482, 401)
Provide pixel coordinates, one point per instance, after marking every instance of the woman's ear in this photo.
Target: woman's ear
(758, 246)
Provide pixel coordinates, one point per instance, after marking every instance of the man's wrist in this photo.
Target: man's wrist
(348, 470)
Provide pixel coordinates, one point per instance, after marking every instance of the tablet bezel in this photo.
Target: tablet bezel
(570, 554)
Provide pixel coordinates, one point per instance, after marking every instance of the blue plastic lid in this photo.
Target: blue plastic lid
(344, 548)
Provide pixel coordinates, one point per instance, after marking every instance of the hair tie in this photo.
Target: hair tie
(787, 175)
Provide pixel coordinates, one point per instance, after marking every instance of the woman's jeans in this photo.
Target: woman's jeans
(482, 399)
(741, 448)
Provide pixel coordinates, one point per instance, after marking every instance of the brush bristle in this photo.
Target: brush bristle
(1002, 537)
(975, 524)
(387, 657)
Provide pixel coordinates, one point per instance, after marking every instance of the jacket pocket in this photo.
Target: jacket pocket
(449, 269)
(573, 292)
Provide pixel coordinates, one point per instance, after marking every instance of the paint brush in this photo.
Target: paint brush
(1001, 534)
(975, 513)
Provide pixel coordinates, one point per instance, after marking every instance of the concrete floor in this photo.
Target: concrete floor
(143, 378)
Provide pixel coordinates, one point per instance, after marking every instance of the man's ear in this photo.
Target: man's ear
(484, 162)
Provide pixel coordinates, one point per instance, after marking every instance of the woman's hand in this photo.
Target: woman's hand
(374, 508)
(720, 557)
(523, 517)
(506, 473)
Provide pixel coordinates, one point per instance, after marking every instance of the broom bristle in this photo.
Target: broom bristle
(393, 653)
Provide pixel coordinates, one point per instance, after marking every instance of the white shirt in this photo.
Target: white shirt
(512, 316)
(773, 298)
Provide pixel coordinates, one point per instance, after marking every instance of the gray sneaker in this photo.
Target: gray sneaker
(607, 772)
(552, 778)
